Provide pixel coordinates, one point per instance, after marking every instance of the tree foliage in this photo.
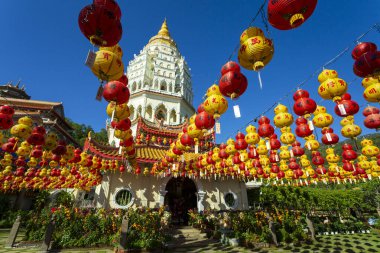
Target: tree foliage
(80, 132)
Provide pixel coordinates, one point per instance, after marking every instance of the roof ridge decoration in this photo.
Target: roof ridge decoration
(163, 36)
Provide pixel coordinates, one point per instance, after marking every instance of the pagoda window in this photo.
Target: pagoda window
(173, 117)
(132, 111)
(158, 72)
(156, 84)
(139, 84)
(149, 112)
(164, 73)
(163, 86)
(133, 88)
(139, 110)
(161, 113)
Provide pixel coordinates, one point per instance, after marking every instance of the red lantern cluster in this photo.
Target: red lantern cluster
(367, 59)
(100, 23)
(6, 114)
(232, 84)
(289, 14)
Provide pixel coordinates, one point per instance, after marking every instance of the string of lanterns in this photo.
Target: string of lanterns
(100, 23)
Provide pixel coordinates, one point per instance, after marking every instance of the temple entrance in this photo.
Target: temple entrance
(180, 198)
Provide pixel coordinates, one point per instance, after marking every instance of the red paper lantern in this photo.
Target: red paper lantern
(232, 84)
(110, 5)
(186, 140)
(350, 106)
(372, 117)
(362, 48)
(367, 64)
(302, 129)
(203, 120)
(329, 137)
(348, 153)
(123, 125)
(265, 130)
(303, 104)
(100, 25)
(289, 14)
(116, 91)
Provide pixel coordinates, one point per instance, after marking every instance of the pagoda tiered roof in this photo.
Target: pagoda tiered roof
(170, 131)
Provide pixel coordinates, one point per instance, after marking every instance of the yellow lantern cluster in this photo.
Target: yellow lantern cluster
(331, 87)
(283, 119)
(256, 50)
(23, 129)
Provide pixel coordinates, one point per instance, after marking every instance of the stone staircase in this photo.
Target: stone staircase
(189, 239)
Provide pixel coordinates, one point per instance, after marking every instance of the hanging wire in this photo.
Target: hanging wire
(315, 73)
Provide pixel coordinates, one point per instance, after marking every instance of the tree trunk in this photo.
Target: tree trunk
(272, 229)
(310, 226)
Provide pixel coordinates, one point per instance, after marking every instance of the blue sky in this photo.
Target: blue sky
(42, 45)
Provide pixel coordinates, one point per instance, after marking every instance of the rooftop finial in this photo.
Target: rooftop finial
(164, 31)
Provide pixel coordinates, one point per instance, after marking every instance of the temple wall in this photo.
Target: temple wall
(150, 191)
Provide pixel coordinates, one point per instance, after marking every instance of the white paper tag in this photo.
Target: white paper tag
(99, 94)
(113, 114)
(196, 149)
(238, 170)
(254, 152)
(337, 169)
(182, 158)
(90, 60)
(120, 149)
(307, 173)
(291, 153)
(369, 176)
(311, 125)
(342, 110)
(338, 180)
(276, 157)
(328, 136)
(308, 145)
(217, 127)
(241, 157)
(268, 145)
(237, 111)
(173, 167)
(306, 182)
(350, 180)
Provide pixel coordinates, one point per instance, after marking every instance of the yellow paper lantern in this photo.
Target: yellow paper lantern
(282, 117)
(107, 66)
(114, 49)
(119, 111)
(215, 104)
(349, 129)
(331, 87)
(322, 118)
(252, 137)
(372, 88)
(256, 50)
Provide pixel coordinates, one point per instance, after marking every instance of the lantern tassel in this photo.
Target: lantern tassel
(260, 82)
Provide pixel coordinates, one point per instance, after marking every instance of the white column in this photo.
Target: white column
(244, 196)
(162, 197)
(200, 197)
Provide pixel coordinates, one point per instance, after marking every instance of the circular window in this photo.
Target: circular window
(230, 200)
(124, 198)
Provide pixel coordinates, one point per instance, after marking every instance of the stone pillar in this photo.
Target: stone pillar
(102, 192)
(244, 196)
(200, 205)
(123, 244)
(13, 234)
(162, 197)
(46, 244)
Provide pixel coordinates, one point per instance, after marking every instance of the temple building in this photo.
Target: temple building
(49, 114)
(160, 104)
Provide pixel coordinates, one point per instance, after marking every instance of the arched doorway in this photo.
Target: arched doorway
(180, 198)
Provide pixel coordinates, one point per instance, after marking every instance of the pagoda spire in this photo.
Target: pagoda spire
(164, 31)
